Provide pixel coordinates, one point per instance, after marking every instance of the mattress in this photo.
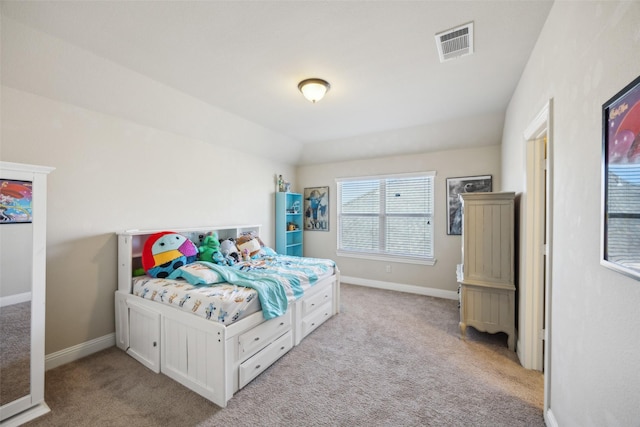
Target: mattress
(227, 302)
(222, 302)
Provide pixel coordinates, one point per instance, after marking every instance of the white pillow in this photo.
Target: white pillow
(197, 274)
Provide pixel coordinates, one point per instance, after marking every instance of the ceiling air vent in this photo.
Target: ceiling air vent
(455, 42)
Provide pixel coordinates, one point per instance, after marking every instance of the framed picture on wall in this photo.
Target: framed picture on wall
(316, 209)
(621, 181)
(455, 186)
(15, 201)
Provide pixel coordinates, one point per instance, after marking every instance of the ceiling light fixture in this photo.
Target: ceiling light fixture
(314, 89)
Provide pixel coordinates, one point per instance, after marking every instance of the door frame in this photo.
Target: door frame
(536, 298)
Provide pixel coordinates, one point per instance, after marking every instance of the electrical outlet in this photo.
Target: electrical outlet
(388, 268)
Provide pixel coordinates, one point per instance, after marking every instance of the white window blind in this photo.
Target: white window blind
(390, 216)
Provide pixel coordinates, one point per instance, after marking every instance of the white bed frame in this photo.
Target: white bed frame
(208, 357)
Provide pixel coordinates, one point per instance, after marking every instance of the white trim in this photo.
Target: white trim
(396, 175)
(538, 127)
(550, 419)
(15, 299)
(400, 287)
(388, 258)
(21, 167)
(136, 231)
(30, 414)
(79, 351)
(548, 321)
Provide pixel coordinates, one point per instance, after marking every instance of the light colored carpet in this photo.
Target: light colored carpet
(15, 344)
(389, 359)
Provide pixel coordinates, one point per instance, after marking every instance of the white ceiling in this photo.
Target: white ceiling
(247, 57)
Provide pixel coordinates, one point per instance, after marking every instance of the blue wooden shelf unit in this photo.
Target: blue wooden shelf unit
(289, 224)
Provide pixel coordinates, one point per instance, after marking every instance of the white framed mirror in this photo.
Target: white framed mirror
(23, 210)
(16, 243)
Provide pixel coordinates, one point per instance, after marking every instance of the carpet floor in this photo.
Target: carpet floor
(15, 344)
(388, 359)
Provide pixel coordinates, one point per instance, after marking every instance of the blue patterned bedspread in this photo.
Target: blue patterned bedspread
(276, 279)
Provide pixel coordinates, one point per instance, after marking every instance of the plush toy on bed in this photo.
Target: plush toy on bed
(165, 252)
(210, 250)
(229, 250)
(250, 242)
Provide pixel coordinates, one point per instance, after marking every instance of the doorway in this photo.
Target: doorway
(535, 287)
(535, 242)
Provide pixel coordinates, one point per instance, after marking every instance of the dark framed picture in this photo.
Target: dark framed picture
(455, 186)
(15, 201)
(316, 209)
(621, 181)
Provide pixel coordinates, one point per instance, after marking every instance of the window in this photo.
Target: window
(387, 217)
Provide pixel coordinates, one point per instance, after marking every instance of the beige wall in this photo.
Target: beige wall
(129, 153)
(453, 163)
(112, 175)
(587, 52)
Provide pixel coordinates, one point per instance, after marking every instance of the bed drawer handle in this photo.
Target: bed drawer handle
(256, 338)
(281, 323)
(258, 366)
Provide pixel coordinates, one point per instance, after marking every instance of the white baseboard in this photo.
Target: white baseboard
(15, 299)
(519, 350)
(550, 419)
(412, 289)
(79, 351)
(23, 417)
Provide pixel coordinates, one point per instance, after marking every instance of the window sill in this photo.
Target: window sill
(388, 258)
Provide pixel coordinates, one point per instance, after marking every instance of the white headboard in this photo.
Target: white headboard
(131, 242)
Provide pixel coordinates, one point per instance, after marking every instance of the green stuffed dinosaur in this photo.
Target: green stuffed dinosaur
(210, 250)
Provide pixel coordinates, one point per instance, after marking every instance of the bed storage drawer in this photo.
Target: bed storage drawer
(253, 366)
(315, 301)
(253, 340)
(144, 336)
(319, 316)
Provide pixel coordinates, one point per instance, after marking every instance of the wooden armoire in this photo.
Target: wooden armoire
(487, 273)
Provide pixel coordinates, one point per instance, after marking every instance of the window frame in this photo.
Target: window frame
(407, 259)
